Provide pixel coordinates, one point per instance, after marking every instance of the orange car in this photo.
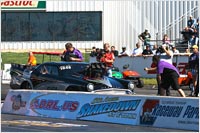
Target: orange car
(185, 75)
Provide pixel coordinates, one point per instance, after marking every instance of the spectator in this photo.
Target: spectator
(196, 31)
(194, 66)
(93, 52)
(196, 26)
(190, 22)
(72, 54)
(124, 52)
(155, 48)
(187, 52)
(192, 40)
(147, 51)
(187, 34)
(115, 52)
(169, 75)
(108, 58)
(166, 39)
(99, 54)
(175, 51)
(137, 51)
(145, 37)
(166, 55)
(32, 59)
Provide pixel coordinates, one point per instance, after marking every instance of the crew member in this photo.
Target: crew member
(32, 59)
(169, 75)
(194, 67)
(108, 58)
(72, 54)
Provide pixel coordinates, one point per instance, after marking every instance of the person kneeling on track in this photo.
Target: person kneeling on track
(169, 75)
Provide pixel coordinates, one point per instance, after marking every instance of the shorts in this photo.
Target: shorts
(169, 78)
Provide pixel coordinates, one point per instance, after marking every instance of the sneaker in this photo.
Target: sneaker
(154, 86)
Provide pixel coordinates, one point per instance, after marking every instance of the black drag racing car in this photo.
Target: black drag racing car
(65, 76)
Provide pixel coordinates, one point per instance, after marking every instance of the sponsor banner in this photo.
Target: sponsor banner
(82, 106)
(23, 5)
(111, 108)
(16, 102)
(179, 113)
(55, 105)
(95, 107)
(165, 112)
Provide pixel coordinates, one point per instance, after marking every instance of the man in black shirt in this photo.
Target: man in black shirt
(145, 37)
(115, 52)
(147, 51)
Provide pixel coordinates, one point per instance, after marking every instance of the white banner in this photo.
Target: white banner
(166, 112)
(179, 113)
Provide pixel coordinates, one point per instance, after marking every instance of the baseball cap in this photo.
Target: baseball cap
(195, 46)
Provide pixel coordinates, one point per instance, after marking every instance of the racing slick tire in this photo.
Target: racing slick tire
(26, 85)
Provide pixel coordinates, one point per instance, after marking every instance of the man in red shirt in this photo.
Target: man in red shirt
(108, 58)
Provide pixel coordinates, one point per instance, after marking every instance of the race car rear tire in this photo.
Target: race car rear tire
(26, 85)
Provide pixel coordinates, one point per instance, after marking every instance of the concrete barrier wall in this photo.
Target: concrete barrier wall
(139, 63)
(166, 112)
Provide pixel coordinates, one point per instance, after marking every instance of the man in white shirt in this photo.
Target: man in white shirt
(175, 51)
(167, 54)
(137, 51)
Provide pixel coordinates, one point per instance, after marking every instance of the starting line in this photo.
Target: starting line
(155, 111)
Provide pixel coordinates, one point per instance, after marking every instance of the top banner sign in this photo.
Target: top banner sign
(23, 5)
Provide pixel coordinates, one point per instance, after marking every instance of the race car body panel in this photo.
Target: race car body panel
(66, 76)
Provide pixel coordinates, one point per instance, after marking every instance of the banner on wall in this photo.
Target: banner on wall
(171, 113)
(164, 112)
(23, 5)
(105, 108)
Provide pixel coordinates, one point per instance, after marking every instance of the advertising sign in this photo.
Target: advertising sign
(165, 112)
(23, 5)
(171, 113)
(95, 107)
(16, 102)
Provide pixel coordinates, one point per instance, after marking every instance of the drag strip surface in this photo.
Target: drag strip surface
(18, 123)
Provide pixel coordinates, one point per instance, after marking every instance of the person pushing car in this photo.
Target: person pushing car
(72, 54)
(169, 75)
